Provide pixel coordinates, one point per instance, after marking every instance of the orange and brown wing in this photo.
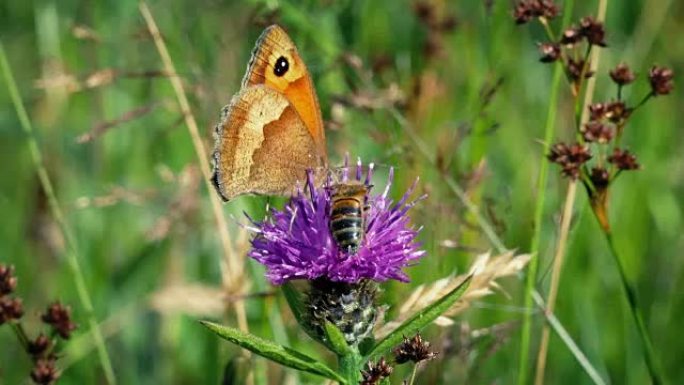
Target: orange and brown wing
(262, 146)
(276, 63)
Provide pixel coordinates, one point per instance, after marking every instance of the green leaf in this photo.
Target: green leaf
(420, 319)
(274, 352)
(336, 340)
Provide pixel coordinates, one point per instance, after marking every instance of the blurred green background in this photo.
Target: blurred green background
(476, 95)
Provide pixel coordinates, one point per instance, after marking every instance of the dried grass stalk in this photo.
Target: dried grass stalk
(486, 270)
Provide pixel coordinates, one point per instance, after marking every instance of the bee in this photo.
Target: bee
(348, 215)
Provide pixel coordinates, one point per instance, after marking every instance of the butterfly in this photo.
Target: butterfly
(271, 133)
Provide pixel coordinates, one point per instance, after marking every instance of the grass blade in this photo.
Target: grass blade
(569, 342)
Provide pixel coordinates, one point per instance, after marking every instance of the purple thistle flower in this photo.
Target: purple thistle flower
(296, 243)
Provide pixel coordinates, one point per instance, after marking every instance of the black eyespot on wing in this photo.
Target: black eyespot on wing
(281, 66)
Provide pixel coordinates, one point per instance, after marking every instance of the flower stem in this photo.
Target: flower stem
(72, 255)
(649, 354)
(536, 237)
(413, 374)
(555, 279)
(350, 366)
(21, 334)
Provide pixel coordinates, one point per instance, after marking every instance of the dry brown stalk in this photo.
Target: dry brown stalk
(231, 264)
(102, 127)
(486, 270)
(569, 202)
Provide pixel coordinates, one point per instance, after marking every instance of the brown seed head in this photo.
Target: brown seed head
(39, 346)
(617, 112)
(593, 31)
(571, 36)
(600, 177)
(559, 153)
(44, 372)
(550, 52)
(10, 309)
(448, 24)
(424, 11)
(661, 79)
(59, 317)
(549, 9)
(8, 282)
(576, 67)
(597, 111)
(622, 75)
(414, 349)
(522, 13)
(624, 160)
(570, 158)
(375, 372)
(595, 131)
(527, 10)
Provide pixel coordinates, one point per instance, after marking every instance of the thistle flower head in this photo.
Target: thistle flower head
(297, 243)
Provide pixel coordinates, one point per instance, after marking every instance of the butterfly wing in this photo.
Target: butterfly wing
(262, 145)
(274, 47)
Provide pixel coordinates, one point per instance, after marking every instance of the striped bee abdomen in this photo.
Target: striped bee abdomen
(347, 216)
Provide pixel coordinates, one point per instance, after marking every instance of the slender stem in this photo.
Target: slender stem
(581, 117)
(21, 334)
(547, 29)
(649, 354)
(531, 277)
(350, 365)
(567, 339)
(538, 216)
(643, 101)
(233, 265)
(555, 279)
(72, 255)
(413, 374)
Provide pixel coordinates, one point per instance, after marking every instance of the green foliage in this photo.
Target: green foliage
(278, 353)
